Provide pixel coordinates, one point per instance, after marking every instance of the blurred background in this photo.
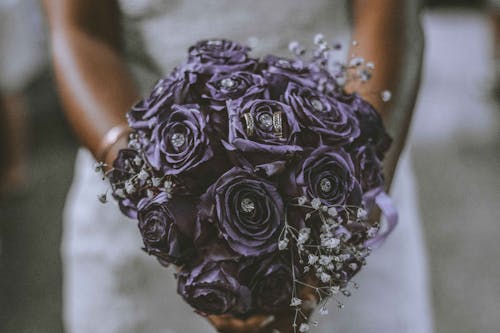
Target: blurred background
(455, 145)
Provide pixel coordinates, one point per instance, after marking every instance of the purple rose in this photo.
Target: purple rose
(368, 167)
(159, 231)
(318, 113)
(179, 142)
(263, 127)
(328, 174)
(246, 210)
(220, 55)
(280, 71)
(371, 125)
(231, 86)
(272, 285)
(126, 191)
(173, 89)
(212, 287)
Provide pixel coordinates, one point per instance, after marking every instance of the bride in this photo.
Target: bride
(106, 53)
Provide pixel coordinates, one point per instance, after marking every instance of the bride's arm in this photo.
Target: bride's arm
(94, 82)
(389, 34)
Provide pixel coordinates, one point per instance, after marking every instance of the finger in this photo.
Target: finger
(226, 324)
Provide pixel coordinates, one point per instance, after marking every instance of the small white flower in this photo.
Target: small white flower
(323, 311)
(334, 290)
(308, 216)
(319, 39)
(370, 65)
(316, 203)
(304, 327)
(156, 181)
(372, 232)
(353, 266)
(120, 193)
(362, 213)
(306, 269)
(325, 260)
(332, 211)
(143, 175)
(129, 187)
(325, 277)
(293, 46)
(303, 235)
(357, 61)
(99, 167)
(103, 198)
(312, 259)
(295, 301)
(386, 95)
(302, 200)
(330, 243)
(168, 185)
(344, 256)
(282, 244)
(137, 160)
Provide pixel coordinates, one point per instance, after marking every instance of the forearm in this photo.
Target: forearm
(389, 34)
(95, 85)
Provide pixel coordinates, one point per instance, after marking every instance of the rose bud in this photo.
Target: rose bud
(212, 287)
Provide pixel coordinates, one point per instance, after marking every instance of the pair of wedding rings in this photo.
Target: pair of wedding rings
(277, 124)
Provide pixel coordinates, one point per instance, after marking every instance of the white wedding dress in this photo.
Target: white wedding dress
(111, 286)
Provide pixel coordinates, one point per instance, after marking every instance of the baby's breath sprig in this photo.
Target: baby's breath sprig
(142, 178)
(354, 69)
(329, 249)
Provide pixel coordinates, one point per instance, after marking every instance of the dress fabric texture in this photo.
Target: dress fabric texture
(111, 286)
(22, 51)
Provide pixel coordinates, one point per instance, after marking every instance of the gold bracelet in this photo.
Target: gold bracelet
(112, 136)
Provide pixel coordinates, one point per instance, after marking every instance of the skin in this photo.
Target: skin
(97, 88)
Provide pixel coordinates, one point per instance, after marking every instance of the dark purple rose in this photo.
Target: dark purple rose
(368, 167)
(128, 193)
(328, 174)
(173, 89)
(371, 125)
(231, 86)
(220, 55)
(317, 113)
(265, 127)
(159, 231)
(280, 71)
(212, 287)
(247, 211)
(272, 285)
(179, 142)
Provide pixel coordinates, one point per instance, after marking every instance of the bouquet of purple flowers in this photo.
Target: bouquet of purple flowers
(256, 178)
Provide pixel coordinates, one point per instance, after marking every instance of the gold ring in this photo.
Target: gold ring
(250, 125)
(278, 123)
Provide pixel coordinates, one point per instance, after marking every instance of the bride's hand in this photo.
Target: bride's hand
(264, 323)
(255, 324)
